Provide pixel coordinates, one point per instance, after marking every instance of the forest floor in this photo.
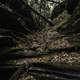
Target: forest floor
(49, 38)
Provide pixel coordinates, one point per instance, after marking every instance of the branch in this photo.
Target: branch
(54, 1)
(34, 54)
(17, 18)
(36, 68)
(48, 21)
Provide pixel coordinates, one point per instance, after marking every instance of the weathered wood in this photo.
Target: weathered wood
(36, 68)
